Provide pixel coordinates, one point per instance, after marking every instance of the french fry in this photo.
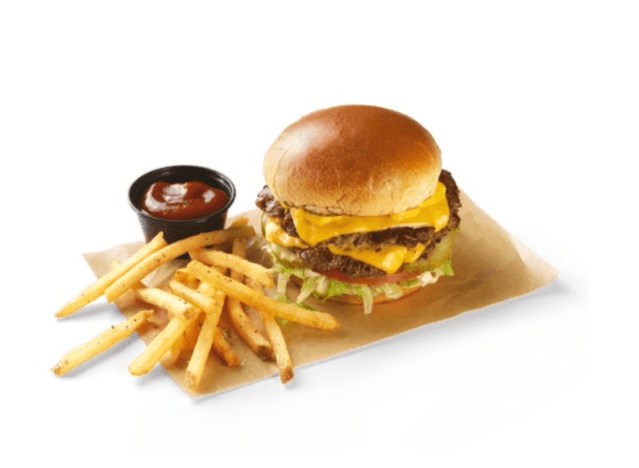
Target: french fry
(203, 346)
(223, 349)
(197, 298)
(172, 356)
(259, 301)
(247, 331)
(170, 252)
(192, 332)
(157, 348)
(186, 278)
(211, 302)
(235, 263)
(186, 341)
(194, 302)
(99, 287)
(174, 305)
(179, 303)
(242, 324)
(280, 350)
(100, 343)
(210, 291)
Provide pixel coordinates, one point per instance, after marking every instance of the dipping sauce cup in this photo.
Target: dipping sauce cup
(176, 229)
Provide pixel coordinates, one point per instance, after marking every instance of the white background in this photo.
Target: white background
(534, 105)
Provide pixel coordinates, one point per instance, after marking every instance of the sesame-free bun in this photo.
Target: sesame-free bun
(353, 160)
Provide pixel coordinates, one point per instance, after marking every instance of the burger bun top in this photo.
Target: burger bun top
(353, 160)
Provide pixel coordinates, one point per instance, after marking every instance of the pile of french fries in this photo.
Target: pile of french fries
(213, 283)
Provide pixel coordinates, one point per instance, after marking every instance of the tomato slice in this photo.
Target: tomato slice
(376, 281)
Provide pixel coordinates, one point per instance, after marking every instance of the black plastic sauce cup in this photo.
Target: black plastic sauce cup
(179, 229)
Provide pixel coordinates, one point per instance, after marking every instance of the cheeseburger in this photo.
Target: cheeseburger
(357, 207)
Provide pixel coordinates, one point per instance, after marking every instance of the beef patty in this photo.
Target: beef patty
(320, 258)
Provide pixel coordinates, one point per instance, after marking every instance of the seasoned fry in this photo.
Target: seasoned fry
(222, 259)
(197, 298)
(186, 341)
(259, 301)
(174, 305)
(186, 278)
(239, 250)
(157, 348)
(247, 331)
(170, 252)
(280, 350)
(98, 288)
(194, 302)
(100, 343)
(192, 332)
(242, 324)
(203, 346)
(223, 349)
(220, 345)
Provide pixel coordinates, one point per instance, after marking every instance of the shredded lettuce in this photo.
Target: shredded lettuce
(366, 294)
(392, 291)
(334, 289)
(446, 269)
(308, 287)
(410, 283)
(319, 286)
(324, 288)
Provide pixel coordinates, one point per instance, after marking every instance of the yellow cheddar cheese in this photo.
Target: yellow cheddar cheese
(274, 233)
(314, 229)
(389, 258)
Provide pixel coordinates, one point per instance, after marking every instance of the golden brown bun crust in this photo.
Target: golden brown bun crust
(353, 160)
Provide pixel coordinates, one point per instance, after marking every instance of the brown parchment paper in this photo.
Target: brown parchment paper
(490, 266)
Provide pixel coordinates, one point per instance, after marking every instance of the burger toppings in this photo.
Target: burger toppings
(314, 229)
(364, 264)
(328, 287)
(365, 254)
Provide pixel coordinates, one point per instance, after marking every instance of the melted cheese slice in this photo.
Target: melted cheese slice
(274, 233)
(389, 258)
(314, 229)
